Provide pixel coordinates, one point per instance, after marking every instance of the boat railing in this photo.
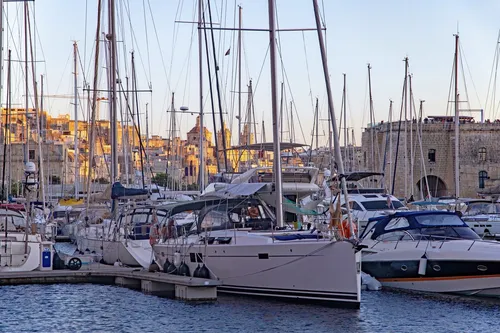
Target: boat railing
(434, 238)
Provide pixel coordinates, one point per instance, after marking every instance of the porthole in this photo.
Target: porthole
(404, 268)
(437, 268)
(482, 268)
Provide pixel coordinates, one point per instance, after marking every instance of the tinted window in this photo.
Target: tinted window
(381, 205)
(439, 220)
(396, 223)
(442, 233)
(395, 236)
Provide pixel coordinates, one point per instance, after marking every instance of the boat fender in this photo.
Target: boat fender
(204, 273)
(165, 266)
(171, 269)
(183, 270)
(196, 272)
(422, 265)
(153, 268)
(177, 258)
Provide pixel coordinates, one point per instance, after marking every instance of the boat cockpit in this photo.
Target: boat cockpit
(418, 225)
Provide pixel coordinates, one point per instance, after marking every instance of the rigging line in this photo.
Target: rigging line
(147, 40)
(291, 94)
(261, 69)
(174, 42)
(160, 49)
(307, 69)
(211, 94)
(494, 69)
(221, 116)
(465, 84)
(464, 59)
(85, 34)
(135, 39)
(234, 72)
(452, 79)
(188, 61)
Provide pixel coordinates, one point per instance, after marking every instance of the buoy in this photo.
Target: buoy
(422, 265)
(183, 270)
(196, 272)
(204, 273)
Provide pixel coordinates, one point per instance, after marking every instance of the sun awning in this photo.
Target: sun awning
(243, 189)
(290, 207)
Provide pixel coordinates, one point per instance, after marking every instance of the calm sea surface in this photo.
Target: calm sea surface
(96, 308)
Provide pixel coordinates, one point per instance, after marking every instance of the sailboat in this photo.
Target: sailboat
(227, 241)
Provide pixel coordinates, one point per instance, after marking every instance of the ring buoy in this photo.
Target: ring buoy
(345, 229)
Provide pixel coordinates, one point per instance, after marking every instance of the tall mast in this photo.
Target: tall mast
(457, 124)
(338, 154)
(330, 162)
(372, 121)
(316, 114)
(239, 78)
(75, 75)
(274, 107)
(114, 145)
(406, 129)
(200, 68)
(344, 104)
(390, 141)
(411, 140)
(27, 141)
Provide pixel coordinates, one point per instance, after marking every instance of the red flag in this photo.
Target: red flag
(227, 52)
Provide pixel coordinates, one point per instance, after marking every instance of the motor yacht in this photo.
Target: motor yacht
(430, 251)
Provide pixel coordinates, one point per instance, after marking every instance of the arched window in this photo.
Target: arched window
(482, 154)
(431, 155)
(483, 175)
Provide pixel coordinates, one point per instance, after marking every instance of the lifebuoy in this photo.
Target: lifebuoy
(345, 229)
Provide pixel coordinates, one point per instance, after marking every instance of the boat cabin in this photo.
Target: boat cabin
(418, 225)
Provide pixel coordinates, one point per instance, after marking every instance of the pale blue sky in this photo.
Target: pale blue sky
(360, 31)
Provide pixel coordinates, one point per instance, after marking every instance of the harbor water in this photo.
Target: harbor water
(101, 308)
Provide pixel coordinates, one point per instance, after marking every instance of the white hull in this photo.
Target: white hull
(486, 286)
(14, 257)
(111, 251)
(307, 271)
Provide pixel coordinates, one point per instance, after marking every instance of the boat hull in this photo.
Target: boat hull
(111, 251)
(484, 286)
(313, 272)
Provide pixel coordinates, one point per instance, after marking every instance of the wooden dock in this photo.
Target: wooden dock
(153, 283)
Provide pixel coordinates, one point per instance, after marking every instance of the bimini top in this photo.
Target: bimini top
(407, 220)
(358, 175)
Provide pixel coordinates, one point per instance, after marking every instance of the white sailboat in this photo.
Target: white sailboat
(291, 267)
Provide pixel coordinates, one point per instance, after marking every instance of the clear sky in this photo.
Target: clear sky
(358, 32)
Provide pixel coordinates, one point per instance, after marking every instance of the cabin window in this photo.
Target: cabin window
(431, 155)
(395, 236)
(483, 175)
(482, 154)
(396, 223)
(354, 206)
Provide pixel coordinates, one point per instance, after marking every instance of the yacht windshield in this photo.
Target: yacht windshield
(436, 220)
(381, 205)
(443, 233)
(479, 208)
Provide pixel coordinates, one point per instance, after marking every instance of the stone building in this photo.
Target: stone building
(479, 156)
